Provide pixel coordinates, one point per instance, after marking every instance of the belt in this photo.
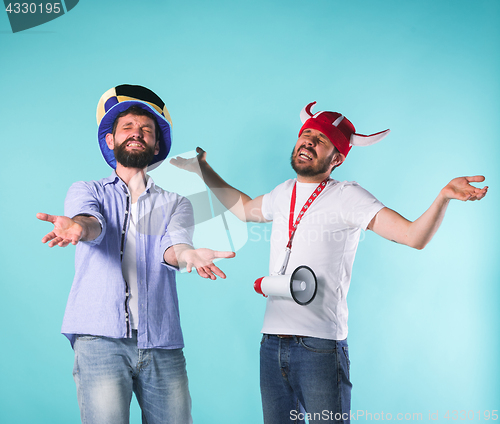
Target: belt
(286, 336)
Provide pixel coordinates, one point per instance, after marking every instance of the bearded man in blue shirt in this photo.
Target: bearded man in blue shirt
(131, 236)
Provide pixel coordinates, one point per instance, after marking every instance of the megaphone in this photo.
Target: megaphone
(301, 285)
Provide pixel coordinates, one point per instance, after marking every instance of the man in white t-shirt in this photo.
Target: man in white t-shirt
(304, 352)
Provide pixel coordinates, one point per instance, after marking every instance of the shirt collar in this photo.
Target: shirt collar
(112, 179)
(115, 179)
(150, 184)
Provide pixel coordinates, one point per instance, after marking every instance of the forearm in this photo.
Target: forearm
(392, 226)
(389, 224)
(237, 202)
(91, 229)
(422, 230)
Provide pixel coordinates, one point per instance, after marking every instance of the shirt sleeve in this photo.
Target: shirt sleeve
(359, 206)
(266, 208)
(180, 228)
(82, 199)
(269, 199)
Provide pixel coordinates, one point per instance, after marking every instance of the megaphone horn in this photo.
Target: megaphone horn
(301, 285)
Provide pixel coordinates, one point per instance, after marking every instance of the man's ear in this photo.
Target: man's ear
(110, 141)
(157, 147)
(337, 159)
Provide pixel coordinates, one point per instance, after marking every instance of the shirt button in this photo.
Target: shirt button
(126, 314)
(126, 212)
(126, 319)
(127, 294)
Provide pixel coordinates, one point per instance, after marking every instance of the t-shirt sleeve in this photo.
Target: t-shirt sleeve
(268, 202)
(82, 199)
(266, 208)
(359, 206)
(271, 201)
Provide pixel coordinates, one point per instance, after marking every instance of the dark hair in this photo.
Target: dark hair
(138, 111)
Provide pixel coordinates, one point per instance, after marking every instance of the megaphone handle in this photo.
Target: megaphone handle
(285, 261)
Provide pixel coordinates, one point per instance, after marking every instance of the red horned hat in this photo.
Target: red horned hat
(339, 130)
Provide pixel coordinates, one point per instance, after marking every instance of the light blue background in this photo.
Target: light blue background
(424, 325)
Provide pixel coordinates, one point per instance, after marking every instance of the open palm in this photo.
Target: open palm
(65, 230)
(461, 189)
(191, 164)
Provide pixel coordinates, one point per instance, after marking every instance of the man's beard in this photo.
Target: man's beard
(321, 167)
(134, 159)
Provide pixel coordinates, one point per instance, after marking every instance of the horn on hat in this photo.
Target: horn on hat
(306, 113)
(368, 140)
(338, 121)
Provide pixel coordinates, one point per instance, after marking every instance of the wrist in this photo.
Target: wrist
(443, 196)
(84, 231)
(204, 168)
(182, 251)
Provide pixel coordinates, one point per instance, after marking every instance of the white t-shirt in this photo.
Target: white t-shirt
(325, 240)
(129, 267)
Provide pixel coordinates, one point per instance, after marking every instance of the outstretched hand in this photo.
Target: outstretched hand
(66, 231)
(202, 259)
(191, 164)
(460, 189)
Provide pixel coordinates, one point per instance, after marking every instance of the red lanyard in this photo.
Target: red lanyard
(293, 227)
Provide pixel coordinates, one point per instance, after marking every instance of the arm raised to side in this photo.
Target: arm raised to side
(237, 202)
(417, 234)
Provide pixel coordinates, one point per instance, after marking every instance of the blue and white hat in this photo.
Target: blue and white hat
(120, 98)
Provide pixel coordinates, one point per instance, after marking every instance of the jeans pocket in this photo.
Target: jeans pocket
(314, 344)
(264, 338)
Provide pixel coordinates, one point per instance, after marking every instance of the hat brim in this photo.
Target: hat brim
(106, 127)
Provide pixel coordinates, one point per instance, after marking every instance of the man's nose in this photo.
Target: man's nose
(137, 132)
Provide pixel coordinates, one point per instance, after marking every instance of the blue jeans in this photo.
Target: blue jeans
(107, 371)
(300, 375)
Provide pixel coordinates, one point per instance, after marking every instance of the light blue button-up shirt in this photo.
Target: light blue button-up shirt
(98, 301)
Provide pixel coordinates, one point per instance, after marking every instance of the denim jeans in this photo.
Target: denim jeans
(300, 375)
(107, 371)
